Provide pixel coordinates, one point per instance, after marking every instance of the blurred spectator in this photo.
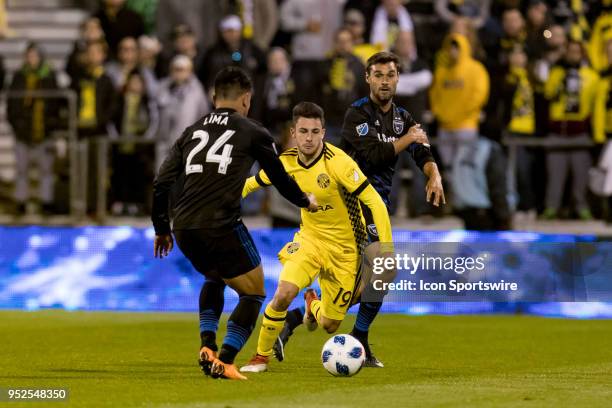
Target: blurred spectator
(460, 90)
(150, 49)
(283, 213)
(538, 22)
(514, 35)
(414, 79)
(259, 19)
(5, 31)
(128, 61)
(95, 92)
(477, 11)
(603, 117)
(118, 22)
(518, 117)
(571, 90)
(278, 92)
(343, 82)
(555, 49)
(463, 26)
(136, 117)
(91, 30)
(32, 119)
(355, 22)
(367, 8)
(313, 24)
(479, 185)
(183, 43)
(232, 49)
(202, 16)
(411, 94)
(390, 18)
(95, 104)
(147, 9)
(182, 101)
(599, 38)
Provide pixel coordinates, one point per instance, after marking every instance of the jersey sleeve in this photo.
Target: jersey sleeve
(264, 151)
(168, 173)
(348, 175)
(419, 152)
(362, 138)
(255, 182)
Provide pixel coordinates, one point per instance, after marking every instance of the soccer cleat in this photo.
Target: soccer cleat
(309, 320)
(279, 347)
(370, 358)
(219, 369)
(257, 364)
(372, 361)
(207, 356)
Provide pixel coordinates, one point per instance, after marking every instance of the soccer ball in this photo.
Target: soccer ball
(343, 355)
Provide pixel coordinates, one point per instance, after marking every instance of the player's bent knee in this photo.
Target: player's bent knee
(330, 326)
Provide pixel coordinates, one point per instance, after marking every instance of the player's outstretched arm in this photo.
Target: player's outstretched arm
(168, 173)
(264, 152)
(370, 198)
(434, 184)
(254, 183)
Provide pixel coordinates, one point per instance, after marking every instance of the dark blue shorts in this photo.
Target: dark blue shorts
(226, 253)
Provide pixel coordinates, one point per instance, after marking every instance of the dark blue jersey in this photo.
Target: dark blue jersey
(368, 134)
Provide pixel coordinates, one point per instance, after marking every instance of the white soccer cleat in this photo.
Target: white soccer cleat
(257, 364)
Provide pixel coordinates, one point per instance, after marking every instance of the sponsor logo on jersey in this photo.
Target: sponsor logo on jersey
(293, 247)
(372, 230)
(362, 129)
(398, 126)
(355, 176)
(323, 180)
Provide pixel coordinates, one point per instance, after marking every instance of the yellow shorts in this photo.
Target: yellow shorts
(304, 259)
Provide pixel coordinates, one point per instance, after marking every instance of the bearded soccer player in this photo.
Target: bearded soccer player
(374, 132)
(330, 242)
(212, 159)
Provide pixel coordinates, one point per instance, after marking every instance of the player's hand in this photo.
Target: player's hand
(313, 206)
(434, 187)
(162, 245)
(418, 135)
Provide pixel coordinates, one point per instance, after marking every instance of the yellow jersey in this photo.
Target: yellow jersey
(338, 185)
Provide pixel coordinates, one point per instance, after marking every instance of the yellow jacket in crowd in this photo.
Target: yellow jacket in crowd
(459, 90)
(572, 95)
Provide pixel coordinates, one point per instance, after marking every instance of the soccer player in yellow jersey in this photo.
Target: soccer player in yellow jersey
(330, 241)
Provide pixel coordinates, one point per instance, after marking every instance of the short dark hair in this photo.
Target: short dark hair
(383, 57)
(232, 82)
(308, 110)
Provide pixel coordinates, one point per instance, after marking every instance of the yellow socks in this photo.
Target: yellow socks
(315, 308)
(271, 326)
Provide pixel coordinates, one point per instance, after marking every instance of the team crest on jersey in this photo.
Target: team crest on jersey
(293, 247)
(362, 129)
(323, 180)
(398, 126)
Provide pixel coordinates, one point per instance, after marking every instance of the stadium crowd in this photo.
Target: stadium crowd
(475, 74)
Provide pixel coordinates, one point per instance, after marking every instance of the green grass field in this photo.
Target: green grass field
(149, 360)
